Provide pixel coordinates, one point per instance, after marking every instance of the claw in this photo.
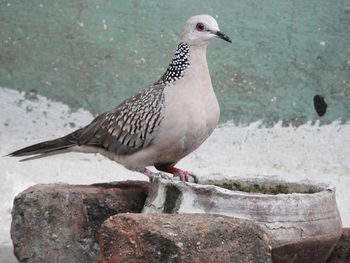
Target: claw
(151, 174)
(183, 175)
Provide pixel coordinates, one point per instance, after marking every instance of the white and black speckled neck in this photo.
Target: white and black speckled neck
(178, 65)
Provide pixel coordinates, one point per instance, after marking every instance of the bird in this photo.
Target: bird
(162, 123)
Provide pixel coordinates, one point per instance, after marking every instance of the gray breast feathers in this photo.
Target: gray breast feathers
(130, 127)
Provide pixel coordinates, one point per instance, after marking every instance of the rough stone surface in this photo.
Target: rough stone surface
(59, 222)
(182, 238)
(341, 252)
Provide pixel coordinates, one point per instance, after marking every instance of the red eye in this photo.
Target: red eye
(200, 26)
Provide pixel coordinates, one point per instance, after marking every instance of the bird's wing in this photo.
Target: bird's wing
(130, 127)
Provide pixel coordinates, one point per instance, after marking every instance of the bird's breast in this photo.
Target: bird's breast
(191, 113)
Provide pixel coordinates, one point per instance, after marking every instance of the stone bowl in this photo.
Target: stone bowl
(302, 219)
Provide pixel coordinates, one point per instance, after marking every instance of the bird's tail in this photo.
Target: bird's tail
(46, 147)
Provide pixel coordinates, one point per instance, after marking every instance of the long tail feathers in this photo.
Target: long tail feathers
(48, 146)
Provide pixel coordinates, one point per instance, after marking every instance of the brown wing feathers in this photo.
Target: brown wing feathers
(131, 126)
(125, 130)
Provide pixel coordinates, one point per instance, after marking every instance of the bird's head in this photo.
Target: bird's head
(199, 30)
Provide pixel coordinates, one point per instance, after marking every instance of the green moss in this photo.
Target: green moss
(265, 187)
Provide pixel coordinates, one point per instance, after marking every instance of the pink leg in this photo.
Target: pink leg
(183, 175)
(151, 174)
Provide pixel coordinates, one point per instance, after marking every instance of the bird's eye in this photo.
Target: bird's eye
(200, 27)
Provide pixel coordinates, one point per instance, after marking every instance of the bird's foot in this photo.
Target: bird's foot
(183, 175)
(152, 175)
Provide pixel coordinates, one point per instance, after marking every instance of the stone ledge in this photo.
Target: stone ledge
(60, 223)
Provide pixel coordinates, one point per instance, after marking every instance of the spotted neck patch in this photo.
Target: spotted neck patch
(178, 65)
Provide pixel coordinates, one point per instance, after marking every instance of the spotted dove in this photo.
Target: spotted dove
(162, 123)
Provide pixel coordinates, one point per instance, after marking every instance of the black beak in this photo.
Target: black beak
(222, 36)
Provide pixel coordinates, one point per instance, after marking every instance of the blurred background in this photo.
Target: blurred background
(62, 62)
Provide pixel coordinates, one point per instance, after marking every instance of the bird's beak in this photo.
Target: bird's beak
(222, 36)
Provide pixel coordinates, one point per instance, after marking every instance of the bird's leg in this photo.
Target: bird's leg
(183, 175)
(151, 174)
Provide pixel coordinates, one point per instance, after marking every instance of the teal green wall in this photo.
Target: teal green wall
(93, 54)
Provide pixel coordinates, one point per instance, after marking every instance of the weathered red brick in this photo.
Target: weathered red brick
(341, 252)
(59, 222)
(182, 238)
